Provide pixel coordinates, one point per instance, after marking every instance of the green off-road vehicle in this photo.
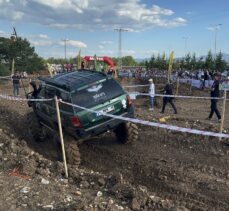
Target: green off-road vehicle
(88, 89)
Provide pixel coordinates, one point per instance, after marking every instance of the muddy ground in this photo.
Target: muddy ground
(163, 170)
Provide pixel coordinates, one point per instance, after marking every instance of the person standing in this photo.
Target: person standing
(151, 94)
(215, 93)
(205, 79)
(16, 83)
(167, 99)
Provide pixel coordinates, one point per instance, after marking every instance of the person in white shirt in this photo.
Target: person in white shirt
(151, 94)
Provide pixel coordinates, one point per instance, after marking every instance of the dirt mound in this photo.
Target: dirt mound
(31, 182)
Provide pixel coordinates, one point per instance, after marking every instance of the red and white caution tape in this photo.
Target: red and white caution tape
(14, 98)
(152, 124)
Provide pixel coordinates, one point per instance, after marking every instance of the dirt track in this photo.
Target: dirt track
(192, 171)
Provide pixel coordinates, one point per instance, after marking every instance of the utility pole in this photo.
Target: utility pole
(13, 37)
(120, 30)
(215, 28)
(65, 41)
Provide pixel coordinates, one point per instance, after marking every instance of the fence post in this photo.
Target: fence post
(223, 114)
(61, 136)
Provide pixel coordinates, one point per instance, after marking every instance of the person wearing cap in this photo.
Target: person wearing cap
(151, 94)
(167, 99)
(215, 93)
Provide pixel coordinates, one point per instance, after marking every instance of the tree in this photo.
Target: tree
(193, 62)
(24, 55)
(220, 63)
(187, 62)
(209, 62)
(151, 63)
(128, 61)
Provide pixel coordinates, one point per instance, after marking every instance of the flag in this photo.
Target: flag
(79, 59)
(97, 66)
(170, 65)
(50, 69)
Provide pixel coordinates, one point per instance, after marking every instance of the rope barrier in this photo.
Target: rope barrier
(152, 124)
(14, 98)
(176, 96)
(6, 77)
(134, 120)
(136, 86)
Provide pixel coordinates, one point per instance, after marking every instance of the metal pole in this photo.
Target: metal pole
(65, 47)
(61, 136)
(65, 50)
(215, 40)
(185, 45)
(120, 30)
(120, 49)
(216, 27)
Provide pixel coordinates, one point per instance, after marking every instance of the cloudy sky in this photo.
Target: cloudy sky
(154, 26)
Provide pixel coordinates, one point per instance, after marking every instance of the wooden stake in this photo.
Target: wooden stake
(29, 85)
(61, 136)
(223, 114)
(178, 83)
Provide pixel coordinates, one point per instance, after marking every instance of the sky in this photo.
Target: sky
(153, 26)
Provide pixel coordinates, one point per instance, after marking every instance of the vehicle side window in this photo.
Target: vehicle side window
(42, 92)
(66, 98)
(50, 92)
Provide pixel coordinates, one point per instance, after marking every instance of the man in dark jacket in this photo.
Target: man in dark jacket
(16, 83)
(167, 99)
(215, 93)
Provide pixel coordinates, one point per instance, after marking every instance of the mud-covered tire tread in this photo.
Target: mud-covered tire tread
(71, 150)
(126, 133)
(34, 127)
(72, 153)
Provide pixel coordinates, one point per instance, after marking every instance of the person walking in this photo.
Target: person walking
(215, 93)
(167, 99)
(16, 83)
(205, 79)
(151, 94)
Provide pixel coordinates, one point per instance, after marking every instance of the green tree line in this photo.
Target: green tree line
(189, 62)
(26, 59)
(24, 55)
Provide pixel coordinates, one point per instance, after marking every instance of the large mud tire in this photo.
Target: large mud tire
(35, 128)
(126, 132)
(71, 150)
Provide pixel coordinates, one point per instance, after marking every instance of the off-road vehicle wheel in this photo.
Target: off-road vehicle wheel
(71, 150)
(126, 132)
(35, 128)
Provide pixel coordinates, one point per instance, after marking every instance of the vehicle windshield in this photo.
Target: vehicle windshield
(97, 93)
